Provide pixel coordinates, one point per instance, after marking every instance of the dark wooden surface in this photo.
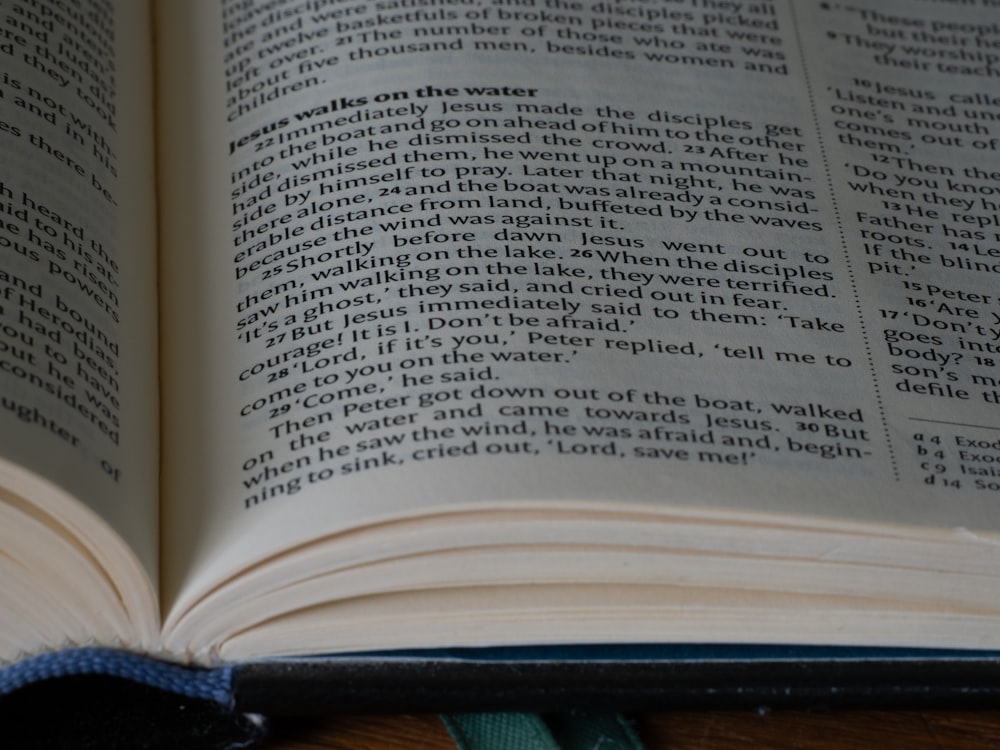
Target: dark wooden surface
(730, 730)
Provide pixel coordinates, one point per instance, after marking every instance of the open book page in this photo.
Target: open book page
(713, 255)
(78, 351)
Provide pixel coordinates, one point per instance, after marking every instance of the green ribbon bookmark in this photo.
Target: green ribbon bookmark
(523, 731)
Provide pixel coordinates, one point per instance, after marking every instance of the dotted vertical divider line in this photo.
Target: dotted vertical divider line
(843, 243)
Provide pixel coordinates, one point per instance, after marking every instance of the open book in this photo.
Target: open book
(334, 326)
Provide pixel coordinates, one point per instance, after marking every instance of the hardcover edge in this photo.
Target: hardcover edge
(620, 679)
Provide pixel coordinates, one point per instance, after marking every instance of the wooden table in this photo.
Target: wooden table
(746, 730)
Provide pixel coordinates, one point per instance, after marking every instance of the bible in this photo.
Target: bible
(336, 330)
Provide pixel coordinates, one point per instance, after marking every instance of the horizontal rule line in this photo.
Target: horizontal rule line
(955, 424)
